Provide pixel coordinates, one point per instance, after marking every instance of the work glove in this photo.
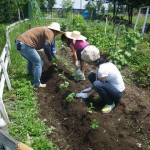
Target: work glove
(82, 95)
(77, 64)
(86, 90)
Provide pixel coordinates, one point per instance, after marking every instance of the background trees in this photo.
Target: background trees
(131, 4)
(9, 10)
(67, 5)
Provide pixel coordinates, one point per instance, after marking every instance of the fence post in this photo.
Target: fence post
(8, 53)
(3, 125)
(5, 74)
(3, 110)
(147, 11)
(7, 38)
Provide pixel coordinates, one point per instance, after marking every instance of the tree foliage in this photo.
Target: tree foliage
(67, 5)
(91, 7)
(131, 4)
(9, 10)
(51, 3)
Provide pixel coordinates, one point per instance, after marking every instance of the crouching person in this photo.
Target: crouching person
(106, 80)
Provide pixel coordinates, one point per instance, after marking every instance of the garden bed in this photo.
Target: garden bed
(71, 124)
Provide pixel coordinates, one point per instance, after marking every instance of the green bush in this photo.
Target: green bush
(78, 19)
(140, 66)
(79, 23)
(3, 37)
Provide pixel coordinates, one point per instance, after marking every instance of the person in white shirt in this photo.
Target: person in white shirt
(107, 81)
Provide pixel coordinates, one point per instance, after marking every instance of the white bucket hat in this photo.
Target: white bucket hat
(75, 35)
(90, 53)
(55, 26)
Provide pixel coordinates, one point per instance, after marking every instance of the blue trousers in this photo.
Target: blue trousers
(35, 62)
(107, 92)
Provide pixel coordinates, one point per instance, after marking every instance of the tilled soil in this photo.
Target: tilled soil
(127, 127)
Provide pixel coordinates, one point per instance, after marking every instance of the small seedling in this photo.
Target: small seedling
(89, 109)
(94, 124)
(62, 75)
(66, 63)
(70, 97)
(54, 61)
(64, 85)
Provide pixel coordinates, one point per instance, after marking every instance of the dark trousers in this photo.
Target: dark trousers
(107, 92)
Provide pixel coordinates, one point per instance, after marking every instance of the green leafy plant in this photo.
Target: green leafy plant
(70, 97)
(90, 109)
(94, 124)
(62, 75)
(64, 85)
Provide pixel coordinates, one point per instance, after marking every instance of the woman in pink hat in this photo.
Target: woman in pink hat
(77, 43)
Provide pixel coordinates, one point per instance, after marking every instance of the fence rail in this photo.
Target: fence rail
(4, 64)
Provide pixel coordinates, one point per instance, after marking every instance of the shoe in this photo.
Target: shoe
(42, 85)
(108, 108)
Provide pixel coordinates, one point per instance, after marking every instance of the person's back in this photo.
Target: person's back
(112, 74)
(36, 37)
(79, 44)
(32, 40)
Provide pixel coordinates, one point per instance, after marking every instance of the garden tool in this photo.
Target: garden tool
(8, 143)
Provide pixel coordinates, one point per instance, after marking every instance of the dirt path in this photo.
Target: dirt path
(127, 127)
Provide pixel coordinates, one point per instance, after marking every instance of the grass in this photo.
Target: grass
(3, 37)
(21, 102)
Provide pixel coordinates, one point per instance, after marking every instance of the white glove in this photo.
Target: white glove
(86, 90)
(82, 95)
(77, 64)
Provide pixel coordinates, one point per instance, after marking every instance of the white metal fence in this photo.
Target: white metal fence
(4, 77)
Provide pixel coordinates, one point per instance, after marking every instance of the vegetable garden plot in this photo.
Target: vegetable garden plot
(75, 128)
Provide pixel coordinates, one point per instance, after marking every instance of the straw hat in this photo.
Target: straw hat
(90, 53)
(55, 26)
(75, 35)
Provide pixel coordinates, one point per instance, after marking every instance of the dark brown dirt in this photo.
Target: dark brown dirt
(127, 127)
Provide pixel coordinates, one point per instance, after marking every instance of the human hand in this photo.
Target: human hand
(77, 64)
(86, 90)
(82, 95)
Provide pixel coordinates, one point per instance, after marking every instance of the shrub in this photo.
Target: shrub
(3, 37)
(140, 66)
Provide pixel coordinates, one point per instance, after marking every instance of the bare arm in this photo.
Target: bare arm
(74, 53)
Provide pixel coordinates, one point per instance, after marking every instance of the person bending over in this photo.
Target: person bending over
(77, 43)
(35, 39)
